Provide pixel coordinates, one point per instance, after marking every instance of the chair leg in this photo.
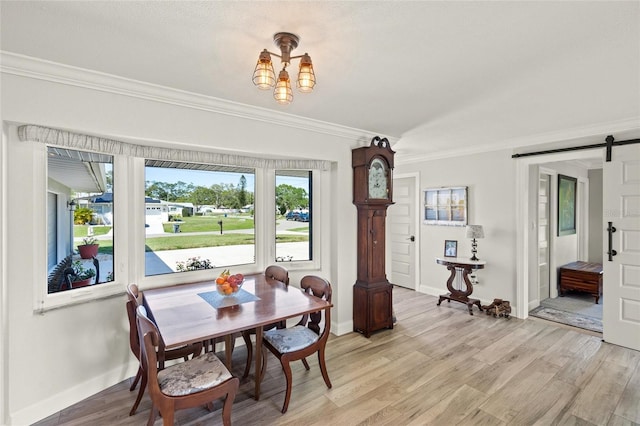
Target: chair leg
(306, 364)
(286, 368)
(323, 367)
(136, 380)
(247, 341)
(167, 418)
(228, 401)
(152, 416)
(143, 386)
(263, 367)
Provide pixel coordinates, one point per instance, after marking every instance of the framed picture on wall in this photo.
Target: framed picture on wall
(445, 206)
(450, 248)
(566, 205)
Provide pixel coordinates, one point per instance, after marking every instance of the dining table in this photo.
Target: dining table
(195, 312)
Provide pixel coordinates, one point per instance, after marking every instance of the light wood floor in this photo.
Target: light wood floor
(438, 366)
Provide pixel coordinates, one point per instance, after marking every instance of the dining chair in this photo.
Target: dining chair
(274, 272)
(199, 381)
(305, 338)
(133, 301)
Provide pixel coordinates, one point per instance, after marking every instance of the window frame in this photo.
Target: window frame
(310, 246)
(43, 300)
(129, 235)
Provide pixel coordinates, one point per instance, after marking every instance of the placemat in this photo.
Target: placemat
(217, 301)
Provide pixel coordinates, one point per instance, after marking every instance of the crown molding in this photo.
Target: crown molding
(577, 133)
(36, 68)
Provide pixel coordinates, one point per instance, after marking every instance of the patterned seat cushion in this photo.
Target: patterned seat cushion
(291, 339)
(195, 375)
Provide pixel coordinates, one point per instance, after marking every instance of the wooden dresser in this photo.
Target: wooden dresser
(582, 276)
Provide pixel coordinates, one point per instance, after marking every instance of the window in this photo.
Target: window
(80, 220)
(293, 215)
(197, 216)
(445, 206)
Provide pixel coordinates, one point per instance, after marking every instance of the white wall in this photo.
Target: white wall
(65, 355)
(564, 248)
(491, 188)
(596, 248)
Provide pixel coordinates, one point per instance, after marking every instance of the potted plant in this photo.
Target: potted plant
(81, 276)
(89, 248)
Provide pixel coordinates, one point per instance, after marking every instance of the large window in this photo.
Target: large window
(197, 216)
(293, 215)
(80, 220)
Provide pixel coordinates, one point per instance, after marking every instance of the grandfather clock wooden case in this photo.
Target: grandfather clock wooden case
(372, 194)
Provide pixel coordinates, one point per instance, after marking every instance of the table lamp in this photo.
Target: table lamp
(474, 232)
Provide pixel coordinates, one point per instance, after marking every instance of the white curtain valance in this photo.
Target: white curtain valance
(109, 146)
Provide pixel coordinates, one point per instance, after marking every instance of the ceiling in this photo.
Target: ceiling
(439, 78)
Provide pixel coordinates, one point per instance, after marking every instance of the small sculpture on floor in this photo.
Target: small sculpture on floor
(498, 308)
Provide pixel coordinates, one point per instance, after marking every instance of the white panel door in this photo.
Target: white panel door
(621, 280)
(544, 225)
(401, 224)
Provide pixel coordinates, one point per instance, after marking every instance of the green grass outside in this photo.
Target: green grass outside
(195, 224)
(81, 231)
(303, 229)
(213, 240)
(197, 241)
(210, 223)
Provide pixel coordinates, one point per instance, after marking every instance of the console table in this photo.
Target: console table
(582, 276)
(463, 266)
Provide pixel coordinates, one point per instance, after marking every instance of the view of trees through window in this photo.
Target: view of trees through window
(80, 220)
(293, 216)
(197, 216)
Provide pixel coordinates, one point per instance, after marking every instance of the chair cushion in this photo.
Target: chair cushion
(291, 339)
(195, 375)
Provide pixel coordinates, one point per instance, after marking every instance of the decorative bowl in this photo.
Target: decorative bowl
(228, 285)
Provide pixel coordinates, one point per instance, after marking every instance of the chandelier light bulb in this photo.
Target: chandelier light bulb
(283, 93)
(306, 76)
(263, 76)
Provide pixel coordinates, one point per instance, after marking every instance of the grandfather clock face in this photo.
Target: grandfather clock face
(378, 179)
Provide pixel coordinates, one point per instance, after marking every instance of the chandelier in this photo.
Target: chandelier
(265, 78)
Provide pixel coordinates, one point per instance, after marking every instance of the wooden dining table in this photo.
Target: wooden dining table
(183, 315)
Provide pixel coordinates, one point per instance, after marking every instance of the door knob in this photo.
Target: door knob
(411, 238)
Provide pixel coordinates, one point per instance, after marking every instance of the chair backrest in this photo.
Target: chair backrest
(277, 273)
(321, 288)
(149, 338)
(133, 294)
(134, 340)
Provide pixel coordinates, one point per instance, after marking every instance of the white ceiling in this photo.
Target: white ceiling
(440, 77)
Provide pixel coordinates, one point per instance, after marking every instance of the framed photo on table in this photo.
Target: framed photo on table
(450, 248)
(566, 205)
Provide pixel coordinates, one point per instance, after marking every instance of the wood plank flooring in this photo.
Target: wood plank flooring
(438, 366)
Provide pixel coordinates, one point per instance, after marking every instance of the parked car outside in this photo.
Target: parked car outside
(298, 215)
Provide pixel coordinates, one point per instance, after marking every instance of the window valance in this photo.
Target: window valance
(68, 139)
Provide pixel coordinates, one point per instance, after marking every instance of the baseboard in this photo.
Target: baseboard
(534, 304)
(431, 291)
(341, 328)
(68, 397)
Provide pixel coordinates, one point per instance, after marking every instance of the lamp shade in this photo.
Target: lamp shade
(306, 76)
(283, 93)
(263, 76)
(475, 231)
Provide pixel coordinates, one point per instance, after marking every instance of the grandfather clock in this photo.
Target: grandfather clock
(372, 194)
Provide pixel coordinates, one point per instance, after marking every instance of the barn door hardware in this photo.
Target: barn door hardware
(611, 229)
